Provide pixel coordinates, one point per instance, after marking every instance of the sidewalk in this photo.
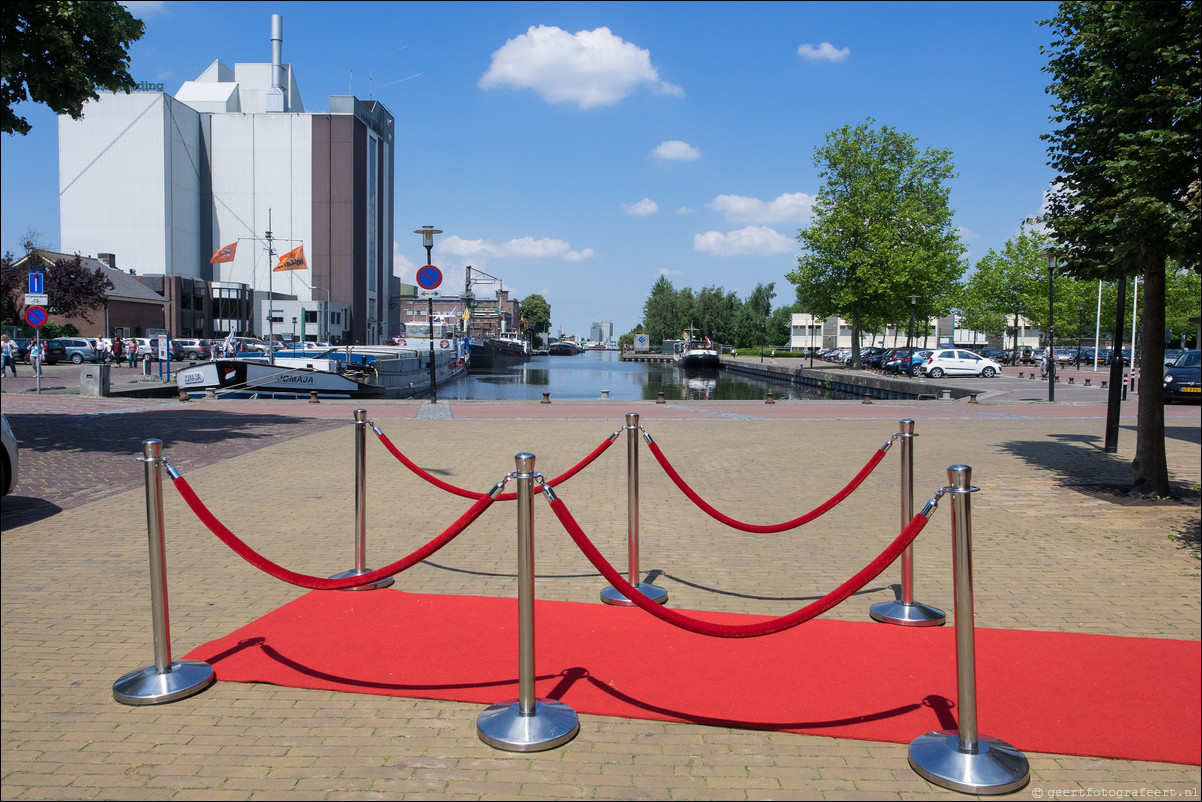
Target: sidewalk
(1055, 551)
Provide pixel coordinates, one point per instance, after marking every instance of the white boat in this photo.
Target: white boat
(694, 353)
(356, 371)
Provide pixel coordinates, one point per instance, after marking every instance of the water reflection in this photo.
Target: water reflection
(586, 376)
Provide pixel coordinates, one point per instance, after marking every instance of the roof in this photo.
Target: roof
(125, 286)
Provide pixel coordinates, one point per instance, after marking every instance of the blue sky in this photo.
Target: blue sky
(581, 150)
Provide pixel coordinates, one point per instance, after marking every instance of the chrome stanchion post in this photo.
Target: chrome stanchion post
(361, 509)
(612, 595)
(166, 680)
(907, 612)
(963, 759)
(526, 724)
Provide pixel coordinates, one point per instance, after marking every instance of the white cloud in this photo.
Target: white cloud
(791, 207)
(589, 68)
(520, 248)
(685, 210)
(749, 241)
(823, 52)
(669, 273)
(401, 266)
(676, 150)
(641, 209)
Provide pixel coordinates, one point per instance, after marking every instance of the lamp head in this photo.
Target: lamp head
(427, 233)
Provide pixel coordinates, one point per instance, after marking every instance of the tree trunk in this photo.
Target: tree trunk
(1150, 465)
(855, 341)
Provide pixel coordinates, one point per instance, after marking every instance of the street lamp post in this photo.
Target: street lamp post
(1051, 256)
(428, 233)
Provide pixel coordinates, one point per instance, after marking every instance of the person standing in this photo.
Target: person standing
(8, 355)
(35, 357)
(118, 350)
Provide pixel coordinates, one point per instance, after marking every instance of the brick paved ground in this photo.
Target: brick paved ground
(1057, 550)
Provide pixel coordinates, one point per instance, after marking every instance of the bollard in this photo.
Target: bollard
(659, 399)
(526, 724)
(972, 398)
(604, 394)
(166, 680)
(183, 396)
(770, 399)
(1070, 379)
(1020, 374)
(962, 759)
(546, 398)
(867, 399)
(907, 612)
(1032, 376)
(612, 595)
(361, 509)
(313, 397)
(1087, 384)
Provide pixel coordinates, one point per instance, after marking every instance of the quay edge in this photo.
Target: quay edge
(838, 379)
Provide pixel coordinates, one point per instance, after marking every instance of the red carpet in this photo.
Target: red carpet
(1102, 696)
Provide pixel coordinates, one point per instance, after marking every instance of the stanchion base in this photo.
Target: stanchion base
(995, 768)
(914, 614)
(504, 727)
(147, 686)
(612, 595)
(379, 583)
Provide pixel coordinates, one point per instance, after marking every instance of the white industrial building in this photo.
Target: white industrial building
(162, 182)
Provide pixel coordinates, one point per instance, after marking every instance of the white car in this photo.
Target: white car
(958, 362)
(8, 468)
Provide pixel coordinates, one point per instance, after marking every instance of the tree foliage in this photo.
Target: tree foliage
(60, 53)
(1126, 79)
(882, 231)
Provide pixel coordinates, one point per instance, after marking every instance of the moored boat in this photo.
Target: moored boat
(359, 371)
(693, 354)
(495, 352)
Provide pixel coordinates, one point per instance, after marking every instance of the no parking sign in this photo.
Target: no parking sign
(35, 316)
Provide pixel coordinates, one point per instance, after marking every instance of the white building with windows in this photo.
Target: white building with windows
(164, 181)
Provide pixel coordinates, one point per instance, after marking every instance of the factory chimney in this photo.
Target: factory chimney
(276, 95)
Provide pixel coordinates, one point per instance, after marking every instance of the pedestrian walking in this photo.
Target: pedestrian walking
(8, 355)
(132, 348)
(118, 350)
(35, 357)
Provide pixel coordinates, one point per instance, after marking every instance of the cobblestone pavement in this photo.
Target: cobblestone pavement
(1059, 548)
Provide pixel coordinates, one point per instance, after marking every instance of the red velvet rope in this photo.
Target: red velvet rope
(836, 596)
(319, 583)
(459, 491)
(781, 527)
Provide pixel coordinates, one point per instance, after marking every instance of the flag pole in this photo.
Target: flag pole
(270, 292)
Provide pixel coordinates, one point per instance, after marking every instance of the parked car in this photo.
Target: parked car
(190, 348)
(53, 352)
(1171, 355)
(1065, 356)
(996, 354)
(1126, 357)
(78, 349)
(9, 460)
(958, 362)
(243, 344)
(906, 361)
(1183, 381)
(20, 346)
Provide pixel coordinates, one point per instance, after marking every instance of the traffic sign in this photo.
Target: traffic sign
(429, 277)
(37, 283)
(37, 299)
(35, 316)
(428, 293)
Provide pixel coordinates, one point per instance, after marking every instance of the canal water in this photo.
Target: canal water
(586, 376)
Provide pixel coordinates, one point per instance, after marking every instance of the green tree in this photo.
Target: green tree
(1182, 292)
(1126, 78)
(753, 316)
(535, 313)
(60, 53)
(663, 317)
(882, 231)
(718, 314)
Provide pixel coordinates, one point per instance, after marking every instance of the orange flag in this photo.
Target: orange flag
(225, 254)
(293, 260)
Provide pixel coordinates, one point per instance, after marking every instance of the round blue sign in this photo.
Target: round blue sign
(429, 277)
(35, 316)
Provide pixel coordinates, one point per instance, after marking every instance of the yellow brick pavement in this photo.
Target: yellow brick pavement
(1049, 557)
